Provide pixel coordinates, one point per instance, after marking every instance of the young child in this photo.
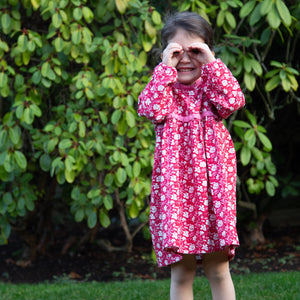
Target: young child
(193, 202)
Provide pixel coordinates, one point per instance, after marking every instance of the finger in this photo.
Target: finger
(198, 45)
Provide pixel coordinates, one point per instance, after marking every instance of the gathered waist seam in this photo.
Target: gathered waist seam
(191, 116)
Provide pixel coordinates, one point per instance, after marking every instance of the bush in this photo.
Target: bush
(71, 72)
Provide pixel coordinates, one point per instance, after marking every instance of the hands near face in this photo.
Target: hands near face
(199, 52)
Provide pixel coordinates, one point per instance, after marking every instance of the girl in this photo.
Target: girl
(193, 210)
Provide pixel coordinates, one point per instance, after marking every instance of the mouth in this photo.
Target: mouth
(184, 70)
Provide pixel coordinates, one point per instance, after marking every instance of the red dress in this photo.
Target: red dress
(193, 202)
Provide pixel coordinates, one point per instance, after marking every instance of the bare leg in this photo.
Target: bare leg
(216, 268)
(182, 278)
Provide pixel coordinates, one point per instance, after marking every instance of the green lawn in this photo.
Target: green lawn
(253, 286)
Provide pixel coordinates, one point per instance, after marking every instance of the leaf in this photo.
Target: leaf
(274, 18)
(151, 31)
(255, 15)
(265, 141)
(4, 46)
(121, 175)
(250, 81)
(293, 82)
(6, 20)
(245, 155)
(29, 203)
(93, 193)
(136, 169)
(104, 218)
(130, 118)
(82, 129)
(36, 77)
(108, 180)
(36, 110)
(249, 134)
(247, 9)
(69, 163)
(257, 154)
(270, 166)
(286, 84)
(87, 14)
(284, 12)
(7, 198)
(3, 137)
(65, 143)
(14, 134)
(26, 57)
(69, 175)
(156, 18)
(20, 159)
(124, 159)
(45, 69)
(272, 83)
(3, 79)
(103, 117)
(270, 188)
(256, 66)
(147, 43)
(77, 13)
(274, 181)
(51, 144)
(22, 42)
(220, 18)
(86, 36)
(31, 46)
(115, 117)
(108, 202)
(76, 37)
(36, 4)
(241, 124)
(45, 162)
(92, 219)
(79, 215)
(265, 36)
(230, 19)
(266, 6)
(58, 44)
(133, 210)
(56, 20)
(121, 5)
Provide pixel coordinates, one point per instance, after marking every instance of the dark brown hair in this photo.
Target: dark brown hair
(190, 22)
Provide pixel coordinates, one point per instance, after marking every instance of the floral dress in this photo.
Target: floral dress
(193, 202)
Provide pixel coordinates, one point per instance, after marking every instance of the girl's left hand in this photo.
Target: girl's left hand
(201, 53)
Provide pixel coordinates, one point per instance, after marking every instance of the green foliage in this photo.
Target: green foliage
(69, 82)
(70, 75)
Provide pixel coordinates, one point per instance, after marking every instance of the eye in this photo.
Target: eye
(195, 51)
(176, 53)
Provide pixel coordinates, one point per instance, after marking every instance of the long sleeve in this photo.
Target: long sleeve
(221, 89)
(155, 101)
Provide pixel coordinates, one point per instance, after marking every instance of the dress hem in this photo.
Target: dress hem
(199, 256)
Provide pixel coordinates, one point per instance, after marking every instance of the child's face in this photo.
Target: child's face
(188, 68)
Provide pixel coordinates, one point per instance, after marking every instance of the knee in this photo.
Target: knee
(216, 267)
(217, 275)
(183, 273)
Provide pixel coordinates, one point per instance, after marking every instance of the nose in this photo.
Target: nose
(185, 57)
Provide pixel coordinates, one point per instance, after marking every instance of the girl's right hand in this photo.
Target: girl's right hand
(172, 54)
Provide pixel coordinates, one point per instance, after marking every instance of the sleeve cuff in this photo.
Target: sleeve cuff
(164, 73)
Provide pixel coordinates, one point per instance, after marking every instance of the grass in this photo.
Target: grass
(283, 286)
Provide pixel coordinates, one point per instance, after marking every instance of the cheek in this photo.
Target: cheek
(196, 63)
